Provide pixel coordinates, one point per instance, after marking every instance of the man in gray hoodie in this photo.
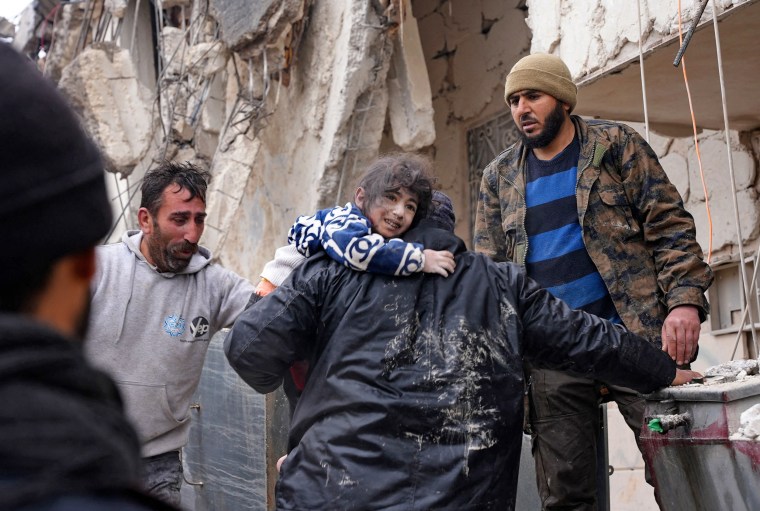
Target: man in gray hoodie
(156, 302)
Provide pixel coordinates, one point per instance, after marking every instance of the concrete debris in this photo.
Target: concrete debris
(103, 87)
(25, 39)
(750, 424)
(244, 23)
(66, 34)
(410, 104)
(117, 8)
(207, 59)
(174, 51)
(731, 371)
(7, 29)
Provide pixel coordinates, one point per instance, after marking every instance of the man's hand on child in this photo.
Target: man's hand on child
(439, 261)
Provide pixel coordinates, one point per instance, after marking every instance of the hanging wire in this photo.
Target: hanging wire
(401, 16)
(250, 80)
(101, 27)
(641, 68)
(745, 283)
(752, 290)
(267, 82)
(125, 207)
(123, 213)
(87, 20)
(696, 141)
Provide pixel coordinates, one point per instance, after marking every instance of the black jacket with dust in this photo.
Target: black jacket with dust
(414, 396)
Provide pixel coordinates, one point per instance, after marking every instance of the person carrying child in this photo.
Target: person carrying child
(392, 196)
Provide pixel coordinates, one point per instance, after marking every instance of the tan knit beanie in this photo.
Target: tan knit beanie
(545, 73)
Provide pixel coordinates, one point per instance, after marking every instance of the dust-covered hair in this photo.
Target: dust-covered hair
(186, 175)
(392, 172)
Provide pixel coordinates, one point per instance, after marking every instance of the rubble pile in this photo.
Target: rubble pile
(735, 370)
(750, 424)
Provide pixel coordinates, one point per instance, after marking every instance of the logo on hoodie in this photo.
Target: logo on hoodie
(199, 326)
(174, 325)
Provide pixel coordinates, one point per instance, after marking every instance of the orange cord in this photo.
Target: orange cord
(696, 141)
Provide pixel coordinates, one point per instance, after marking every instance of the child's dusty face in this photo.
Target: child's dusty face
(393, 213)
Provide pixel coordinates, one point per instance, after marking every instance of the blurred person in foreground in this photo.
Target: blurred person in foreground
(65, 443)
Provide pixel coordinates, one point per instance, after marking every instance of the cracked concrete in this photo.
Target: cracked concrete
(102, 85)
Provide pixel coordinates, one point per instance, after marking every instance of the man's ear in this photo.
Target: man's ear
(66, 294)
(359, 198)
(145, 219)
(83, 264)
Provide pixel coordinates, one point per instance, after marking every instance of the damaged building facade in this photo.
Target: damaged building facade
(285, 101)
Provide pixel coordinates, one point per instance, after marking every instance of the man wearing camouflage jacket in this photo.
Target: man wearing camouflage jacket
(586, 207)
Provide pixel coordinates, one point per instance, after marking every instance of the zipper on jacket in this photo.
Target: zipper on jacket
(522, 222)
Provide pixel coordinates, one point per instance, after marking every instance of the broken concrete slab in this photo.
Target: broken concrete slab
(410, 105)
(103, 87)
(206, 143)
(66, 35)
(206, 59)
(212, 113)
(244, 23)
(7, 29)
(231, 171)
(25, 40)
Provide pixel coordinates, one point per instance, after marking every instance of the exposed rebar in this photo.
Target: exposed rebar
(690, 32)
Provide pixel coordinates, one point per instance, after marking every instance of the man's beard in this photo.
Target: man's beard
(163, 255)
(552, 125)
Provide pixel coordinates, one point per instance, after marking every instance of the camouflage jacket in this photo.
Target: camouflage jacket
(635, 227)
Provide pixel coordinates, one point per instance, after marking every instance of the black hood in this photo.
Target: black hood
(434, 238)
(62, 428)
